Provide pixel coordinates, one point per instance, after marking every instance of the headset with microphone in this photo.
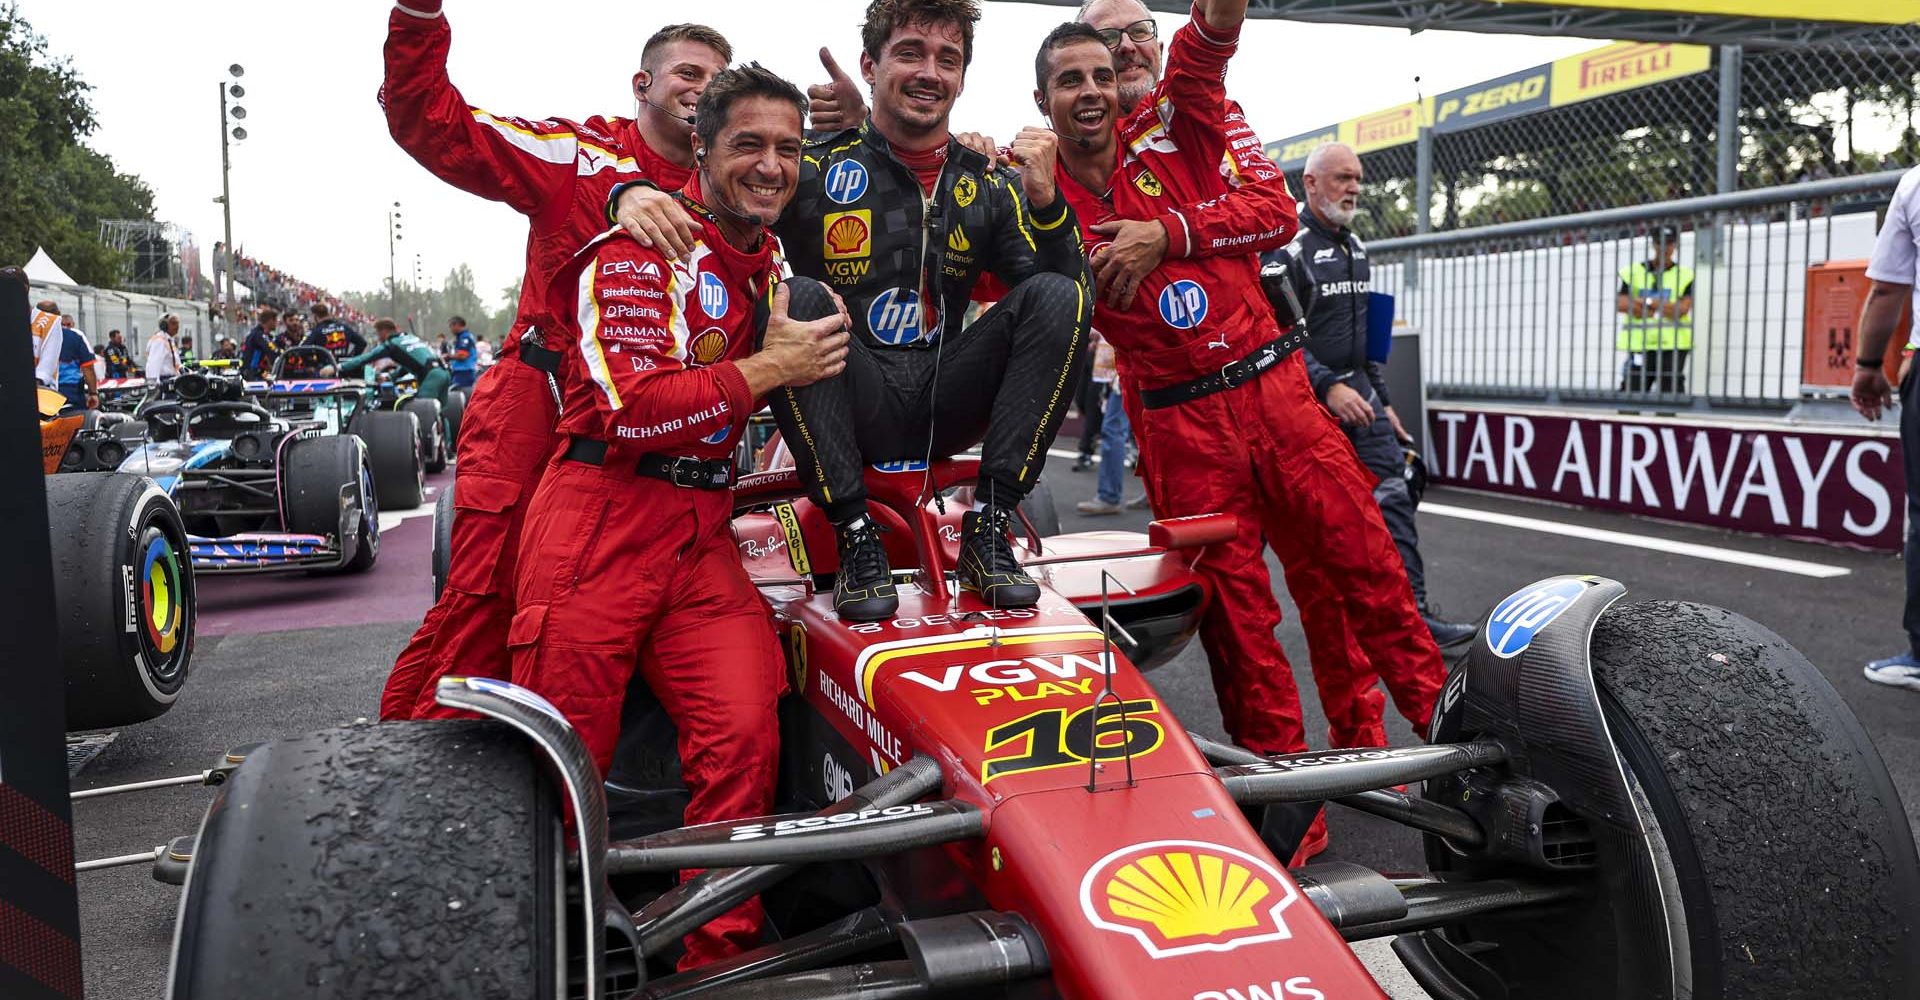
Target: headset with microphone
(750, 218)
(663, 109)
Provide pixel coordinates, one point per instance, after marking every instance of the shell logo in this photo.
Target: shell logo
(709, 346)
(1179, 897)
(848, 234)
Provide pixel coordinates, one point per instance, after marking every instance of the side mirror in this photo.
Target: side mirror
(1194, 532)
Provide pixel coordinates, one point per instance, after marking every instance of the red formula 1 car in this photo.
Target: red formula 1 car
(1654, 800)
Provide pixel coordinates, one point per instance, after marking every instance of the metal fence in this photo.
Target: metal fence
(1530, 310)
(1843, 105)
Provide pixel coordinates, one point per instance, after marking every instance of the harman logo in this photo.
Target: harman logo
(1518, 619)
(1179, 897)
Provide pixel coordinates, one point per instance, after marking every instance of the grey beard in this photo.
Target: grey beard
(1340, 217)
(1131, 96)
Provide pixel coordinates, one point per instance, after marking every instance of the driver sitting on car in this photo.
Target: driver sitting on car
(628, 561)
(410, 353)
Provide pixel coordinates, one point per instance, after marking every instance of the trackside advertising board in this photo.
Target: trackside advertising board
(1858, 11)
(1771, 479)
(1603, 71)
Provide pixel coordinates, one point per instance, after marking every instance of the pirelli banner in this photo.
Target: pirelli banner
(1788, 480)
(1603, 71)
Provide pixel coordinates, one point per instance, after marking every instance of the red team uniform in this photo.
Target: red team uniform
(622, 569)
(1266, 450)
(558, 174)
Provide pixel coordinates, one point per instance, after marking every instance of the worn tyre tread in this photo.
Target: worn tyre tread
(1801, 837)
(375, 860)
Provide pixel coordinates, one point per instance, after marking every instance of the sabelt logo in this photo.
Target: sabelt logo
(848, 234)
(796, 540)
(1180, 897)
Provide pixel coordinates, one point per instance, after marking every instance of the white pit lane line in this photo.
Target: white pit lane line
(1779, 564)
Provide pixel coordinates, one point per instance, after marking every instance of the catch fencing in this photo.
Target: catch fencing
(1530, 310)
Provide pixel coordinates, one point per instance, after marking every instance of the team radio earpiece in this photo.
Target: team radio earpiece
(685, 119)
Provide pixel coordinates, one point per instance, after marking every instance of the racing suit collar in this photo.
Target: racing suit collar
(957, 154)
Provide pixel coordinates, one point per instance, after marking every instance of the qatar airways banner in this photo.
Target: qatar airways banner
(1785, 480)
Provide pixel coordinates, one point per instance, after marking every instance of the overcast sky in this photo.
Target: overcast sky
(314, 180)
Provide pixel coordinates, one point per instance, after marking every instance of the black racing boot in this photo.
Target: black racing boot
(988, 566)
(863, 589)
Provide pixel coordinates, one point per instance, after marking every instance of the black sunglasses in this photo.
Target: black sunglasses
(1143, 30)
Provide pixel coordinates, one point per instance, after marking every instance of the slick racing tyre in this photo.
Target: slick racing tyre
(393, 448)
(1778, 850)
(316, 474)
(442, 538)
(452, 412)
(434, 445)
(395, 860)
(123, 596)
(1039, 508)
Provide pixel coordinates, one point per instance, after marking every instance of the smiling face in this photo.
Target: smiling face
(1137, 62)
(753, 166)
(680, 72)
(1082, 97)
(920, 72)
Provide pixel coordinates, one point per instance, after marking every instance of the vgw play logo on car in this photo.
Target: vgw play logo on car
(1518, 619)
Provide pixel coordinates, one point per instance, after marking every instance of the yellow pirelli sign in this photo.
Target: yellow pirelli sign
(1859, 11)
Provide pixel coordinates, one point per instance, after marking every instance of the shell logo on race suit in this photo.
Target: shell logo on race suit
(848, 234)
(894, 317)
(1518, 619)
(713, 295)
(846, 182)
(708, 347)
(1179, 897)
(1183, 304)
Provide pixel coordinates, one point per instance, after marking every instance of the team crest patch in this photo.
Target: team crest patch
(1148, 184)
(965, 190)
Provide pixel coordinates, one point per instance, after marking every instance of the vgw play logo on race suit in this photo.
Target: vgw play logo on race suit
(1179, 897)
(1518, 619)
(1183, 304)
(713, 295)
(846, 182)
(894, 317)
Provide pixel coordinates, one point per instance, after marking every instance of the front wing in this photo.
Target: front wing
(264, 552)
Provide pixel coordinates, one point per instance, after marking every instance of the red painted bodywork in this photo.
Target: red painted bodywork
(1154, 888)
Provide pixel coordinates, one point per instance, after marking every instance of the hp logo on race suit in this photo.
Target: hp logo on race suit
(717, 436)
(1518, 619)
(846, 182)
(1183, 304)
(894, 316)
(901, 465)
(713, 295)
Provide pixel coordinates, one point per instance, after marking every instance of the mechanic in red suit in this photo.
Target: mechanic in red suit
(557, 173)
(627, 560)
(1220, 402)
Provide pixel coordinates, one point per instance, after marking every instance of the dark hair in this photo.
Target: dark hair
(318, 309)
(684, 33)
(269, 311)
(383, 323)
(1065, 34)
(884, 17)
(731, 85)
(462, 320)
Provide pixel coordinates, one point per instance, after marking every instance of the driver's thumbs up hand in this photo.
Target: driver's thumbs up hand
(836, 104)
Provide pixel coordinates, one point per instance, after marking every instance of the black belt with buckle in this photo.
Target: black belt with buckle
(540, 356)
(1230, 376)
(688, 473)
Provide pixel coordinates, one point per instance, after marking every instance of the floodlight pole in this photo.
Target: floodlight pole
(226, 210)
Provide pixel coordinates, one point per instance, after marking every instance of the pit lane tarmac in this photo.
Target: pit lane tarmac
(280, 655)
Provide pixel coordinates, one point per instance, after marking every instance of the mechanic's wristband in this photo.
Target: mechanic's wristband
(613, 196)
(1866, 365)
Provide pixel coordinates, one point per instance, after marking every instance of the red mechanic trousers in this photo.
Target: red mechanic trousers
(1270, 454)
(505, 441)
(620, 572)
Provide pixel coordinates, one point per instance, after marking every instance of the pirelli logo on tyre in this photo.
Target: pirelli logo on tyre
(1182, 897)
(796, 541)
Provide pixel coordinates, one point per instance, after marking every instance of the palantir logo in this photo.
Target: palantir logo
(894, 316)
(1518, 619)
(713, 295)
(1183, 304)
(846, 182)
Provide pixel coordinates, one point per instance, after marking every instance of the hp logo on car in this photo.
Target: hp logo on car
(713, 295)
(1183, 304)
(1518, 619)
(846, 182)
(894, 316)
